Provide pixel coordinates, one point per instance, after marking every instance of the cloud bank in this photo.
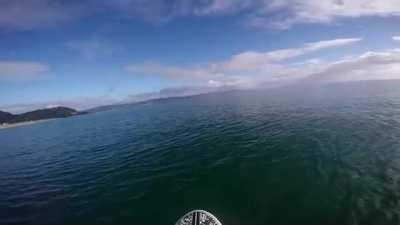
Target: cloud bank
(383, 65)
(293, 12)
(248, 69)
(21, 70)
(263, 69)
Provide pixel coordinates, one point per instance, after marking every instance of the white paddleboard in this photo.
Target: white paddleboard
(198, 217)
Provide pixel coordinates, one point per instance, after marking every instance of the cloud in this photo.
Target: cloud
(91, 49)
(170, 71)
(252, 60)
(21, 70)
(244, 69)
(223, 7)
(285, 13)
(272, 13)
(19, 15)
(270, 69)
(396, 38)
(280, 14)
(368, 66)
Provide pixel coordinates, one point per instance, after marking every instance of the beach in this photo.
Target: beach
(13, 125)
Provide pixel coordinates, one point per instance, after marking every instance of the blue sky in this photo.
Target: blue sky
(93, 52)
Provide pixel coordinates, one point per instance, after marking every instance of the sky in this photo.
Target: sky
(87, 53)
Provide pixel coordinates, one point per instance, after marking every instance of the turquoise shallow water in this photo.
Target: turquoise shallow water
(328, 155)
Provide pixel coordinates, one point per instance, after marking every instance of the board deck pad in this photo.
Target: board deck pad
(198, 217)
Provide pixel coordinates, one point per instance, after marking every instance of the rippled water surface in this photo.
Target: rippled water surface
(324, 156)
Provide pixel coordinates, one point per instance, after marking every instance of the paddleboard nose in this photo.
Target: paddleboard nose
(198, 217)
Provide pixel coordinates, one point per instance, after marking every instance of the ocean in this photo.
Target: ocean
(302, 155)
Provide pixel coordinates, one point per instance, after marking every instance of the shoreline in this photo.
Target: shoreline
(20, 124)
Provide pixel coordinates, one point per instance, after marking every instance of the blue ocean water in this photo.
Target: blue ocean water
(306, 155)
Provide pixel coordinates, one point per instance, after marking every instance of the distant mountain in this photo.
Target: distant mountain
(115, 106)
(5, 116)
(153, 100)
(41, 114)
(106, 107)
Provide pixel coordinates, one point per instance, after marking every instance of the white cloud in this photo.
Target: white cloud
(316, 11)
(244, 69)
(169, 71)
(21, 70)
(223, 7)
(368, 66)
(396, 38)
(261, 13)
(278, 13)
(254, 60)
(261, 69)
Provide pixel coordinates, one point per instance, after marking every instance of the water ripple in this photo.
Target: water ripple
(249, 157)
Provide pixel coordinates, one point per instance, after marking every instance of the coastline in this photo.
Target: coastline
(12, 125)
